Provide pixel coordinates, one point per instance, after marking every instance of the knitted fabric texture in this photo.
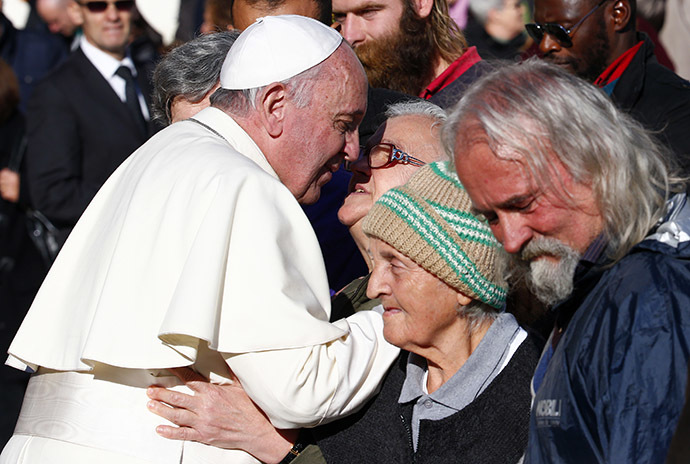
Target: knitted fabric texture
(429, 221)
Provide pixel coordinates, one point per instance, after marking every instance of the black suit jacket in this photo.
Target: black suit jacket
(79, 132)
(659, 99)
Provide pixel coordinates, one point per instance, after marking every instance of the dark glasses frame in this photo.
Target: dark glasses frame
(101, 6)
(562, 35)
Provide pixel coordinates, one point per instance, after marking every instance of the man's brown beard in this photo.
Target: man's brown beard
(402, 61)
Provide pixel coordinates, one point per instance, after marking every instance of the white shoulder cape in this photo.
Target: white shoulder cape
(193, 240)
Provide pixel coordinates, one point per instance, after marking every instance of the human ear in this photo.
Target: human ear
(463, 300)
(273, 102)
(75, 13)
(621, 14)
(423, 7)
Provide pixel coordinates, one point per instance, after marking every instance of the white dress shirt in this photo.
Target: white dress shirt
(107, 66)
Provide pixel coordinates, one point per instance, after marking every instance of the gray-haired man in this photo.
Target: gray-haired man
(577, 191)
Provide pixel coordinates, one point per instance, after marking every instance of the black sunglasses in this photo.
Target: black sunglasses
(100, 7)
(562, 35)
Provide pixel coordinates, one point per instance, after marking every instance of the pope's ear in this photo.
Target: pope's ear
(272, 107)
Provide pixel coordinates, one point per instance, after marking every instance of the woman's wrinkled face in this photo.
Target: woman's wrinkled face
(414, 134)
(420, 310)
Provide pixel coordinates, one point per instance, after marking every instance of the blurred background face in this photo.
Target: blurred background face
(393, 40)
(414, 134)
(508, 22)
(56, 16)
(217, 17)
(406, 289)
(245, 14)
(364, 21)
(107, 30)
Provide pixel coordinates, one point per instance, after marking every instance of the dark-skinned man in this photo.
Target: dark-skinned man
(597, 40)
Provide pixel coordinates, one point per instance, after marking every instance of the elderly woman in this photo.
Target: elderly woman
(409, 138)
(460, 389)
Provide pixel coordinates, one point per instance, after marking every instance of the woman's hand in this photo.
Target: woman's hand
(218, 415)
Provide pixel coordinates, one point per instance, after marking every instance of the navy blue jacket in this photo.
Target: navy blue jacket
(31, 54)
(614, 388)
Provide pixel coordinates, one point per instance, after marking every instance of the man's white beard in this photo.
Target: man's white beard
(551, 281)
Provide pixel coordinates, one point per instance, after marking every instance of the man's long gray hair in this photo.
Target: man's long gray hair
(536, 110)
(189, 71)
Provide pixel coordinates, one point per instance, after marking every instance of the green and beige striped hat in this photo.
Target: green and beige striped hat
(429, 220)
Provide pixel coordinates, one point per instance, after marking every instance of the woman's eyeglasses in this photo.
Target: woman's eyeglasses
(384, 155)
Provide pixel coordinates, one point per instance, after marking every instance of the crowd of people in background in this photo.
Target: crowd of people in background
(364, 230)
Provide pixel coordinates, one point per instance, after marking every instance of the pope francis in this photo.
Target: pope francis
(196, 253)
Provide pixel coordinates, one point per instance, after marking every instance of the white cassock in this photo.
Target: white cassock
(191, 254)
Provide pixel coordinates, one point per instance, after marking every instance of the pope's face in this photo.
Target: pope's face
(325, 131)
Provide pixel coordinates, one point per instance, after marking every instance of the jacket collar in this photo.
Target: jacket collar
(674, 228)
(629, 86)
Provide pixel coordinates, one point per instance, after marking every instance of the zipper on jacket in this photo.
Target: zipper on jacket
(409, 436)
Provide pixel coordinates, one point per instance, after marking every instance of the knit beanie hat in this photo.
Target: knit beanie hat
(428, 220)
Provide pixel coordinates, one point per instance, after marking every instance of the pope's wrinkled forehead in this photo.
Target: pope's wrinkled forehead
(276, 48)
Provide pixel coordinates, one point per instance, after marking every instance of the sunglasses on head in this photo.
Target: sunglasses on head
(562, 35)
(100, 7)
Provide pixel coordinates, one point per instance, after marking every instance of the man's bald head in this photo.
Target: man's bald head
(56, 16)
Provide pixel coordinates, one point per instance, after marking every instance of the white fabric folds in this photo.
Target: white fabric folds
(192, 254)
(188, 242)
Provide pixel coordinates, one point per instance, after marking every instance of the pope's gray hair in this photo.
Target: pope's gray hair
(189, 71)
(537, 111)
(299, 91)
